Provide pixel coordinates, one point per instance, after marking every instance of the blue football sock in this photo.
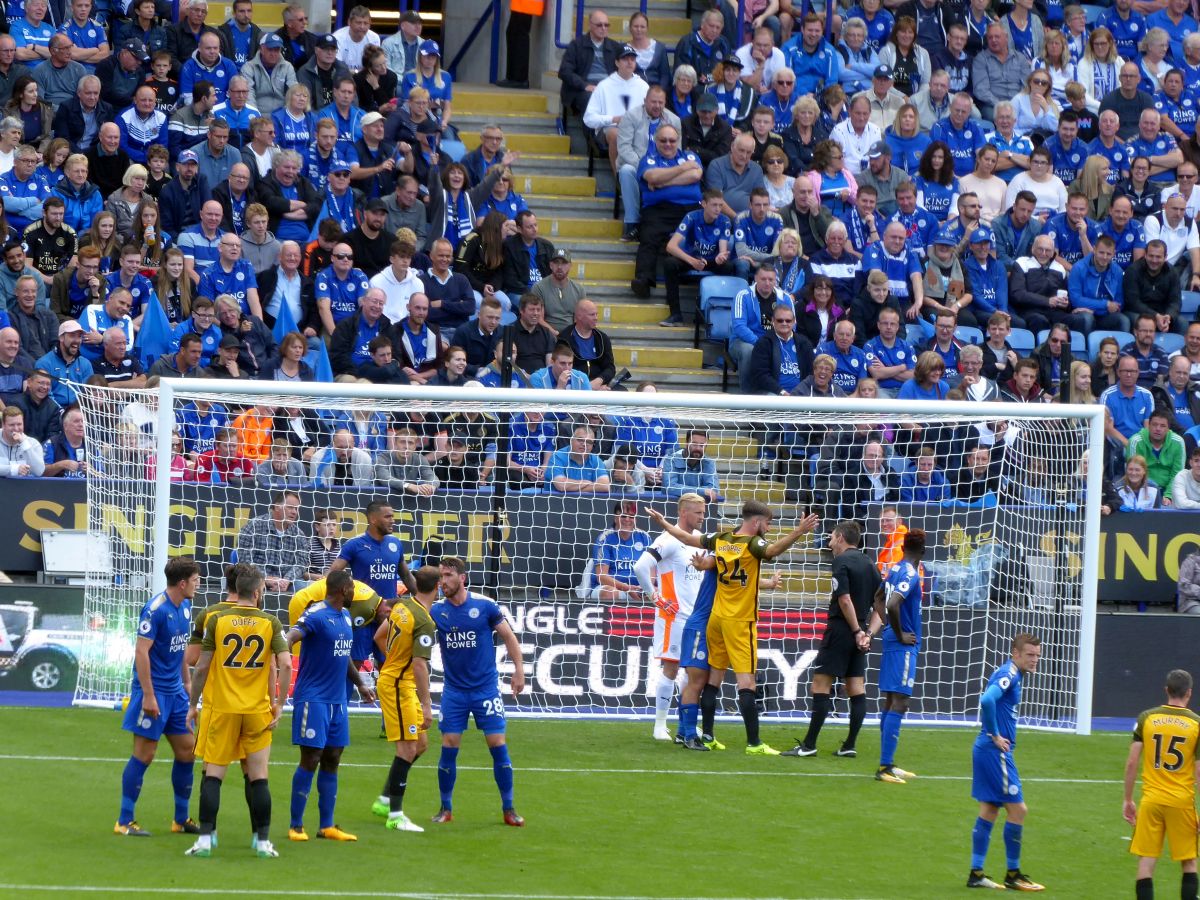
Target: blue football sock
(447, 772)
(502, 770)
(890, 737)
(1012, 844)
(327, 785)
(131, 787)
(688, 713)
(181, 781)
(981, 836)
(301, 785)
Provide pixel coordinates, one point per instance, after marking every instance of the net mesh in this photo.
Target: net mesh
(1001, 502)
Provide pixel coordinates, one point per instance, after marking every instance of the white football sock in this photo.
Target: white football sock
(664, 691)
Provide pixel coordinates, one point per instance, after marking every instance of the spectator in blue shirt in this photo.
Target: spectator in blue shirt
(1067, 152)
(890, 359)
(616, 551)
(561, 374)
(65, 364)
(1152, 360)
(963, 135)
(531, 440)
(851, 361)
(339, 287)
(782, 357)
(1096, 288)
(1129, 404)
(751, 317)
(925, 484)
(576, 469)
(988, 279)
(1129, 237)
(1157, 146)
(901, 265)
(864, 224)
(1073, 233)
(688, 470)
(232, 275)
(700, 244)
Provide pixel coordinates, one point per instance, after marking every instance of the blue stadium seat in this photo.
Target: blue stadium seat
(1078, 342)
(1094, 339)
(1190, 304)
(1169, 342)
(718, 329)
(1022, 340)
(969, 335)
(716, 290)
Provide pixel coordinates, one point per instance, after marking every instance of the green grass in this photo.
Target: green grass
(610, 814)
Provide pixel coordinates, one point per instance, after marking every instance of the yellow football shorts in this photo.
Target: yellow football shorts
(732, 644)
(1175, 824)
(401, 708)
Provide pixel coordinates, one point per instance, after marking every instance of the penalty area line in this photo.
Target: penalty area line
(562, 770)
(267, 892)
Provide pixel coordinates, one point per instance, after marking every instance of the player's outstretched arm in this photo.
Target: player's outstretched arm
(703, 561)
(1132, 763)
(805, 526)
(513, 646)
(684, 537)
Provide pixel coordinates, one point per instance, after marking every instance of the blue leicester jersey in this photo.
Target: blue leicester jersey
(701, 238)
(1008, 679)
(168, 626)
(683, 194)
(702, 608)
(1132, 238)
(343, 295)
(1118, 155)
(899, 269)
(216, 281)
(900, 353)
(1066, 238)
(325, 660)
(904, 580)
(652, 440)
(619, 554)
(464, 634)
(528, 443)
(292, 133)
(376, 563)
(759, 237)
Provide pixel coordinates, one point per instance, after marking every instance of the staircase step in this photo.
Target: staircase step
(658, 357)
(525, 142)
(632, 335)
(556, 185)
(680, 379)
(549, 206)
(557, 227)
(525, 121)
(731, 448)
(633, 313)
(743, 489)
(551, 164)
(666, 30)
(604, 269)
(589, 249)
(480, 101)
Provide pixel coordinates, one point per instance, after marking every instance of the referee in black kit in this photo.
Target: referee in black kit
(843, 651)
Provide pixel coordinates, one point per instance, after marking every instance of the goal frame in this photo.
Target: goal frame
(666, 400)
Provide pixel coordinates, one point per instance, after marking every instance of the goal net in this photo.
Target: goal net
(508, 481)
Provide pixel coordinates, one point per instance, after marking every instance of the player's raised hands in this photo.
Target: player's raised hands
(770, 582)
(655, 516)
(808, 524)
(702, 561)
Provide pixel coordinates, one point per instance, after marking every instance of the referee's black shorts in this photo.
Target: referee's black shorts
(838, 655)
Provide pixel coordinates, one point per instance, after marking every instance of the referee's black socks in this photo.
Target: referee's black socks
(858, 712)
(708, 710)
(749, 710)
(821, 704)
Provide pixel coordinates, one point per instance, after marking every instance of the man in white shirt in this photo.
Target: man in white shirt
(354, 38)
(856, 134)
(620, 92)
(398, 281)
(1176, 228)
(760, 60)
(20, 455)
(1185, 185)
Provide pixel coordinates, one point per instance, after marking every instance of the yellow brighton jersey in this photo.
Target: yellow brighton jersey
(411, 633)
(738, 557)
(362, 608)
(1168, 735)
(198, 619)
(242, 640)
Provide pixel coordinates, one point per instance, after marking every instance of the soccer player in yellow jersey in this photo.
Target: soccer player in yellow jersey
(364, 608)
(1167, 735)
(243, 700)
(406, 639)
(733, 626)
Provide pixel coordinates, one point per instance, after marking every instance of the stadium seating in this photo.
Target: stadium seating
(1097, 336)
(1022, 340)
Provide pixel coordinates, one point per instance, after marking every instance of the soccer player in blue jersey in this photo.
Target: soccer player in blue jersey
(376, 557)
(465, 622)
(995, 782)
(898, 614)
(158, 697)
(693, 650)
(320, 720)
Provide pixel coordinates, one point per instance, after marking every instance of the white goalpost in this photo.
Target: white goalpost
(1013, 532)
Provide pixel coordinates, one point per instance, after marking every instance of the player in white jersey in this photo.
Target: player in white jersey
(666, 573)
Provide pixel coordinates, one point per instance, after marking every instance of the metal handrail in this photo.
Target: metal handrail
(491, 12)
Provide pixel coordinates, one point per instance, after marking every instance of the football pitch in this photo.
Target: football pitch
(611, 814)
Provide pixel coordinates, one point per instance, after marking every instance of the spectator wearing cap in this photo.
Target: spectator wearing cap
(701, 245)
(58, 79)
(591, 58)
(188, 126)
(207, 64)
(633, 140)
(884, 177)
(240, 37)
(377, 160)
(355, 37)
(885, 101)
(370, 243)
(735, 98)
(269, 74)
(945, 285)
(65, 364)
(341, 200)
(183, 38)
(559, 292)
(78, 119)
(225, 364)
(181, 199)
(705, 132)
(526, 256)
(1096, 290)
(298, 41)
(237, 112)
(142, 125)
(988, 279)
(322, 71)
(612, 98)
(401, 47)
(429, 76)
